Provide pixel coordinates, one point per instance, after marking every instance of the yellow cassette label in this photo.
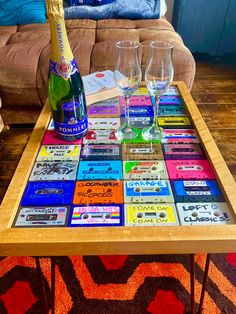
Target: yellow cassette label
(59, 152)
(173, 121)
(141, 91)
(150, 215)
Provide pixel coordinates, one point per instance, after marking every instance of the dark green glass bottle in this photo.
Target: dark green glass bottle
(65, 85)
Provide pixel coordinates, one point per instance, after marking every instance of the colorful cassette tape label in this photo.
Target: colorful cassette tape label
(151, 215)
(172, 111)
(196, 191)
(204, 214)
(42, 216)
(148, 191)
(48, 193)
(172, 90)
(141, 91)
(138, 111)
(98, 192)
(134, 170)
(174, 122)
(104, 123)
(96, 216)
(51, 171)
(53, 138)
(190, 169)
(171, 100)
(142, 152)
(103, 152)
(100, 137)
(100, 170)
(182, 151)
(137, 101)
(105, 109)
(59, 153)
(140, 121)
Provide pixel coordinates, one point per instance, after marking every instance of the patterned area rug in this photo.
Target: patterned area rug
(156, 284)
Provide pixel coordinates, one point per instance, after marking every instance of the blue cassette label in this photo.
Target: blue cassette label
(100, 170)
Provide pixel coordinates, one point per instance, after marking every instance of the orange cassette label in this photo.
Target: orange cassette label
(98, 192)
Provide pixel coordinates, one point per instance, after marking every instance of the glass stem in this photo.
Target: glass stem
(155, 109)
(127, 99)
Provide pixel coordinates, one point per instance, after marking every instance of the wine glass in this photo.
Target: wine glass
(127, 76)
(158, 77)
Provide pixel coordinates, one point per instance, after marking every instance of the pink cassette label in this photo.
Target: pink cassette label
(190, 169)
(53, 138)
(182, 140)
(137, 101)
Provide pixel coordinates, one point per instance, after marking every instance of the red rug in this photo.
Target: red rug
(156, 284)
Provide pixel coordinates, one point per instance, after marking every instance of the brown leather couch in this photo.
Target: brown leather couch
(25, 52)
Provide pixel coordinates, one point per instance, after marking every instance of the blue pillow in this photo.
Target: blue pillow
(14, 12)
(89, 2)
(132, 9)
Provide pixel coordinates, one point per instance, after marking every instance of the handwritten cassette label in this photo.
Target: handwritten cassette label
(104, 123)
(48, 193)
(137, 101)
(148, 191)
(171, 100)
(53, 138)
(179, 136)
(104, 109)
(172, 111)
(86, 216)
(138, 111)
(196, 191)
(190, 169)
(204, 214)
(59, 153)
(174, 122)
(100, 170)
(42, 216)
(142, 152)
(98, 192)
(140, 121)
(182, 151)
(101, 137)
(99, 151)
(134, 170)
(51, 171)
(151, 215)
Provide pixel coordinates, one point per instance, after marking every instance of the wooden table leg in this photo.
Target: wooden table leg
(208, 258)
(192, 278)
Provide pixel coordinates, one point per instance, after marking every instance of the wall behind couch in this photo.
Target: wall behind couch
(169, 13)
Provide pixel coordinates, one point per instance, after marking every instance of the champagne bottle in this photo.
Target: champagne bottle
(65, 85)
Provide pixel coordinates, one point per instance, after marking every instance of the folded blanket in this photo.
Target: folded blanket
(132, 9)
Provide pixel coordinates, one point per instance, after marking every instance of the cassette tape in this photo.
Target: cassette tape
(134, 170)
(101, 137)
(48, 193)
(172, 90)
(172, 111)
(151, 215)
(51, 137)
(176, 122)
(148, 191)
(59, 153)
(98, 192)
(91, 216)
(100, 170)
(196, 191)
(182, 151)
(190, 169)
(136, 101)
(140, 122)
(171, 101)
(99, 151)
(104, 123)
(105, 108)
(142, 152)
(179, 136)
(139, 139)
(138, 111)
(51, 216)
(51, 171)
(204, 214)
(141, 91)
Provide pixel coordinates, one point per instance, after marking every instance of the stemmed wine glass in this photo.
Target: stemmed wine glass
(127, 76)
(158, 77)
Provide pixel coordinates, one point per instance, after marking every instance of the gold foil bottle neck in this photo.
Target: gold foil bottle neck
(55, 9)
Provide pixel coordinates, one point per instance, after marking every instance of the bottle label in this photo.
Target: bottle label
(71, 125)
(64, 68)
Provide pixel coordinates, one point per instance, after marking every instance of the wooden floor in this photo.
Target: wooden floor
(214, 91)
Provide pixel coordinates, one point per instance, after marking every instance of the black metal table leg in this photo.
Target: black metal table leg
(53, 265)
(208, 258)
(192, 277)
(41, 284)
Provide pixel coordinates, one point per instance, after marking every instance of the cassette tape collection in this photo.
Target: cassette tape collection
(102, 181)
